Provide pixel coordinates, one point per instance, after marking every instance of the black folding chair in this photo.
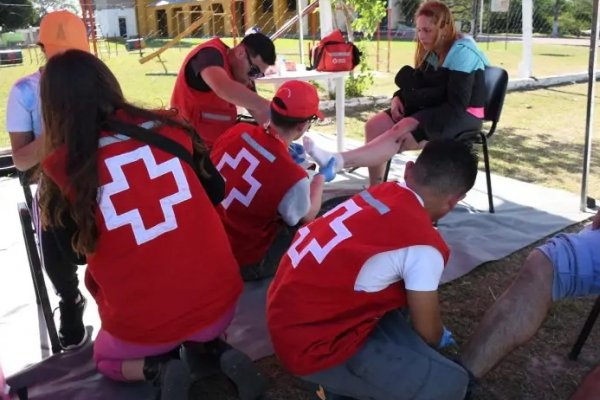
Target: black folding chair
(32, 246)
(496, 82)
(585, 331)
(37, 274)
(7, 167)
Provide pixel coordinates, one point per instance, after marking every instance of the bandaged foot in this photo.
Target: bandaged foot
(323, 157)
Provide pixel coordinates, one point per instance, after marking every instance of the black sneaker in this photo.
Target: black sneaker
(169, 375)
(248, 379)
(72, 333)
(173, 380)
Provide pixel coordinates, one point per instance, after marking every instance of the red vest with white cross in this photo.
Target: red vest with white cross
(209, 114)
(163, 268)
(316, 318)
(258, 172)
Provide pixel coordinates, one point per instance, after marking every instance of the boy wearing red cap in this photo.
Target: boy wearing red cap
(266, 192)
(59, 31)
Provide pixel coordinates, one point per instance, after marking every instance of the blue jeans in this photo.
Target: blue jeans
(393, 364)
(576, 261)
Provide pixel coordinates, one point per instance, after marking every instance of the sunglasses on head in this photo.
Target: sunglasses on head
(254, 71)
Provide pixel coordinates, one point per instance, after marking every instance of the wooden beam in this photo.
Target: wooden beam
(206, 15)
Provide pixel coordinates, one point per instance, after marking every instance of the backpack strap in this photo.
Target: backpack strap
(213, 184)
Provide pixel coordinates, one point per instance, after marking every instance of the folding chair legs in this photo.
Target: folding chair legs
(388, 166)
(488, 176)
(37, 275)
(585, 331)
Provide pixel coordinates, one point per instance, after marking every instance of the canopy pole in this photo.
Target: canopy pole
(589, 118)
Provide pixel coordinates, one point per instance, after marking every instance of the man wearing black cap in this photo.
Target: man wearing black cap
(215, 78)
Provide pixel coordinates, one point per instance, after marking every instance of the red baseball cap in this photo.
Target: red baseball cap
(298, 100)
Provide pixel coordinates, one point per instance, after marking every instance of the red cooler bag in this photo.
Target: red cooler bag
(334, 54)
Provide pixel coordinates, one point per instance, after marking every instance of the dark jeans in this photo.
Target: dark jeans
(60, 269)
(393, 364)
(57, 256)
(268, 265)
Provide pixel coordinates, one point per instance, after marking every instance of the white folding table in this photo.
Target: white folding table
(340, 93)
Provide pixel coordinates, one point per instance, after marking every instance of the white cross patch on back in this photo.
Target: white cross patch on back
(120, 184)
(235, 194)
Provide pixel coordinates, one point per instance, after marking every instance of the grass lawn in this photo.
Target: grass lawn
(147, 85)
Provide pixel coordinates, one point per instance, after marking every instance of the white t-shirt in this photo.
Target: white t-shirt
(420, 267)
(23, 111)
(295, 203)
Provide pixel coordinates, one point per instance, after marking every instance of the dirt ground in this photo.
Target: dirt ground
(538, 370)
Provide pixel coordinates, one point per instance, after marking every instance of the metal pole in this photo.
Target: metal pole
(299, 8)
(589, 118)
(506, 30)
(389, 34)
(481, 18)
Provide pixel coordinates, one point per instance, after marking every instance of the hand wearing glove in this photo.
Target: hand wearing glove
(328, 170)
(446, 340)
(297, 152)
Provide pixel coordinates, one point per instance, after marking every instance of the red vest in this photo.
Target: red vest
(258, 172)
(316, 318)
(163, 268)
(209, 114)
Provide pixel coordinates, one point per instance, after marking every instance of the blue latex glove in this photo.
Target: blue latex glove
(328, 170)
(297, 152)
(447, 339)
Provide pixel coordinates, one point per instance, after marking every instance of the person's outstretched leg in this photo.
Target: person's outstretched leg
(375, 127)
(514, 318)
(372, 154)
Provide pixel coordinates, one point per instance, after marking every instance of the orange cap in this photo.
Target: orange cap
(61, 31)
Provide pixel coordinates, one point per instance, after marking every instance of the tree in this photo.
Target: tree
(370, 13)
(43, 7)
(558, 6)
(15, 14)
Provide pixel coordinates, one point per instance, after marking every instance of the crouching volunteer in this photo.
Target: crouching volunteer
(334, 307)
(266, 192)
(129, 185)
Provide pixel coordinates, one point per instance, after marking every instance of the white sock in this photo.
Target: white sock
(321, 156)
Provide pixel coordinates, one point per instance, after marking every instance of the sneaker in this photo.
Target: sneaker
(72, 333)
(200, 363)
(248, 379)
(173, 380)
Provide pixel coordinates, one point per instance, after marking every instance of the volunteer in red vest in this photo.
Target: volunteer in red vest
(267, 194)
(215, 78)
(334, 307)
(138, 212)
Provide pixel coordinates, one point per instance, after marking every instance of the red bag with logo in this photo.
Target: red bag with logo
(334, 54)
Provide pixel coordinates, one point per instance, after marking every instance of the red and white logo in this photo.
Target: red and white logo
(119, 184)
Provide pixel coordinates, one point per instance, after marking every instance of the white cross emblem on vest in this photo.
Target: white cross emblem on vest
(120, 184)
(234, 193)
(337, 225)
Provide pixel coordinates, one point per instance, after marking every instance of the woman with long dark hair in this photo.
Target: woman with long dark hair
(128, 184)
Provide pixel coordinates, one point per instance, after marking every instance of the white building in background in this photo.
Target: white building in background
(115, 18)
